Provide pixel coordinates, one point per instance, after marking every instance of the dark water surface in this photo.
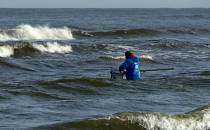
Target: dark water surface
(55, 66)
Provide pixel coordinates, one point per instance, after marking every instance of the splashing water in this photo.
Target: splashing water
(28, 32)
(6, 51)
(53, 48)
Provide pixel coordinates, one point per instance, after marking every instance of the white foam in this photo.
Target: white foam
(28, 32)
(113, 47)
(5, 37)
(6, 51)
(149, 57)
(125, 47)
(116, 57)
(53, 47)
(157, 121)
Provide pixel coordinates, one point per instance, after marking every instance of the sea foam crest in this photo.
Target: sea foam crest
(144, 57)
(126, 47)
(28, 32)
(157, 121)
(115, 57)
(5, 37)
(149, 57)
(53, 47)
(6, 51)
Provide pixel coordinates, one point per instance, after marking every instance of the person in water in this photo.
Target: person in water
(131, 66)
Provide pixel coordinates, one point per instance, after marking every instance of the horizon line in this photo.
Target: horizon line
(103, 8)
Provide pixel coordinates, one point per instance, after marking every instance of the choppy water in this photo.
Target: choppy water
(55, 66)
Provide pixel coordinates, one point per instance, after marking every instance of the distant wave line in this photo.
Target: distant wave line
(144, 32)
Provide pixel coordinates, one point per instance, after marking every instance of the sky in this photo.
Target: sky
(104, 3)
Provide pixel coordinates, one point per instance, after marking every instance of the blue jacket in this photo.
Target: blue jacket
(131, 66)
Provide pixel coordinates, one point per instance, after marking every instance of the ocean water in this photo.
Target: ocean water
(55, 69)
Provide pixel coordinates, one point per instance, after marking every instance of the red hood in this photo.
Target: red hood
(132, 55)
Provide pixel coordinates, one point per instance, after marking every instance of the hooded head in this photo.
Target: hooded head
(129, 54)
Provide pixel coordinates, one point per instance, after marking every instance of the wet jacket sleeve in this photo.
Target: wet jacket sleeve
(124, 65)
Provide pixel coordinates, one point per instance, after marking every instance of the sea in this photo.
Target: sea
(55, 69)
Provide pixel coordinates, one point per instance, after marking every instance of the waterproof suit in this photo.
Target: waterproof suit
(131, 67)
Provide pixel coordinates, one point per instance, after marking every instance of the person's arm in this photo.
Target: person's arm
(124, 65)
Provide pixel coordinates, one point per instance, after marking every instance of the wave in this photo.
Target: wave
(182, 31)
(140, 32)
(123, 33)
(167, 43)
(108, 49)
(28, 32)
(6, 51)
(38, 94)
(195, 120)
(53, 47)
(174, 44)
(142, 58)
(147, 57)
(159, 121)
(26, 48)
(7, 63)
(80, 86)
(85, 81)
(112, 57)
(189, 31)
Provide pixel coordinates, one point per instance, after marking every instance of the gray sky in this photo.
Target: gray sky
(104, 3)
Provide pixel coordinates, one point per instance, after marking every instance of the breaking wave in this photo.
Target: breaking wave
(6, 51)
(28, 32)
(198, 119)
(158, 121)
(53, 48)
(24, 49)
(146, 57)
